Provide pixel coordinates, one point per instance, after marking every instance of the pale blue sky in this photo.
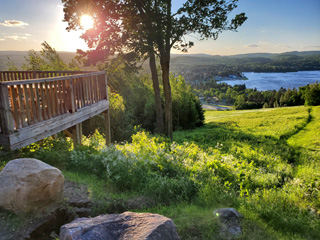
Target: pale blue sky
(272, 26)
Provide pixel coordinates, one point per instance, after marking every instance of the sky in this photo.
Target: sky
(273, 26)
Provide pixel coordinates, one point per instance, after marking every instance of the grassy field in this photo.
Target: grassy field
(265, 163)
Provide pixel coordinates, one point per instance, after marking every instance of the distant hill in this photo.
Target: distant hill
(18, 58)
(202, 67)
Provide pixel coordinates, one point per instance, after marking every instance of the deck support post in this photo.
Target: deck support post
(77, 134)
(107, 127)
(107, 115)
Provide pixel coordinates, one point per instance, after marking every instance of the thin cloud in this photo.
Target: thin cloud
(313, 46)
(2, 39)
(252, 46)
(16, 38)
(13, 23)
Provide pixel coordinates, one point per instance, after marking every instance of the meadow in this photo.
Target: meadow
(265, 163)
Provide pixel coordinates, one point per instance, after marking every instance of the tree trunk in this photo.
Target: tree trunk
(165, 65)
(155, 81)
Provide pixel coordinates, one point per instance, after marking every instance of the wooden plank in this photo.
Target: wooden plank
(65, 99)
(41, 79)
(95, 85)
(76, 92)
(22, 106)
(59, 89)
(48, 99)
(38, 99)
(56, 91)
(13, 109)
(44, 100)
(81, 92)
(66, 132)
(107, 127)
(5, 110)
(16, 112)
(90, 89)
(86, 86)
(27, 103)
(49, 127)
(53, 99)
(33, 104)
(72, 97)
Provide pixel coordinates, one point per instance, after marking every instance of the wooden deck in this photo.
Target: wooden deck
(35, 105)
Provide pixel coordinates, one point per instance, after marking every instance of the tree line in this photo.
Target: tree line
(206, 68)
(243, 98)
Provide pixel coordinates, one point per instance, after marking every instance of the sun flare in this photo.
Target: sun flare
(86, 22)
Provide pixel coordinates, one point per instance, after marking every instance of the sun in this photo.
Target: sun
(86, 22)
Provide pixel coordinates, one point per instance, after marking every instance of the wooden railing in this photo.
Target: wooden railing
(46, 96)
(27, 75)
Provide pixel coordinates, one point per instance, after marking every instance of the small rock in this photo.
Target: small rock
(230, 220)
(128, 225)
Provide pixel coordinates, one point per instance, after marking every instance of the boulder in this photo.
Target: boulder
(230, 220)
(128, 225)
(29, 185)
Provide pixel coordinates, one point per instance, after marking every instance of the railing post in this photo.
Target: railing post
(107, 116)
(6, 119)
(71, 98)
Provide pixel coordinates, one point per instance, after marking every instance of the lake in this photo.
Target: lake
(271, 81)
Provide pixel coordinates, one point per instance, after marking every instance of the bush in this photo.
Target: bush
(55, 152)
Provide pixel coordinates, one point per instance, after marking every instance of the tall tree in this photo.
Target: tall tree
(150, 27)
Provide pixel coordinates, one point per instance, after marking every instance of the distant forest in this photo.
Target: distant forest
(201, 67)
(18, 58)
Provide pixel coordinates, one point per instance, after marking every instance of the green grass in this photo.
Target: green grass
(265, 163)
(309, 137)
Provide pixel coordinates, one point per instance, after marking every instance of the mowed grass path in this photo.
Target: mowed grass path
(282, 148)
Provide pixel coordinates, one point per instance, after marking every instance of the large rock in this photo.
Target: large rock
(128, 225)
(29, 185)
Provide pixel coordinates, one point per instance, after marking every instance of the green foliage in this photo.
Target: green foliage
(187, 110)
(132, 104)
(265, 163)
(55, 152)
(312, 94)
(46, 60)
(243, 98)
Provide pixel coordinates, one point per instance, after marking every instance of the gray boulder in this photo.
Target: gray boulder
(230, 220)
(29, 185)
(128, 225)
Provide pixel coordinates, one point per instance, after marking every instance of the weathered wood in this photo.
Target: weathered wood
(77, 134)
(38, 131)
(21, 104)
(69, 134)
(15, 101)
(6, 119)
(26, 103)
(14, 82)
(37, 100)
(107, 127)
(34, 105)
(44, 100)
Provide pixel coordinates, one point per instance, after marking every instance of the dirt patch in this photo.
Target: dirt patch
(46, 226)
(41, 226)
